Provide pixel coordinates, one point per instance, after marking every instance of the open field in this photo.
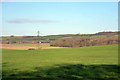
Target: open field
(27, 46)
(80, 62)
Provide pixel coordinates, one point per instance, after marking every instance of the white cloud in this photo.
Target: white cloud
(31, 21)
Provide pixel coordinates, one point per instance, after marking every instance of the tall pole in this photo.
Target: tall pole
(38, 39)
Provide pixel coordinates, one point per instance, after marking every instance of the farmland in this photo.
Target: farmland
(78, 62)
(50, 38)
(27, 46)
(75, 56)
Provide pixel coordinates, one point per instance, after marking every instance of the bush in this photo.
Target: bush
(31, 49)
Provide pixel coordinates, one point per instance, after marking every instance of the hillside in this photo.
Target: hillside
(49, 38)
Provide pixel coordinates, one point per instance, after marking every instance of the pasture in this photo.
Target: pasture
(80, 62)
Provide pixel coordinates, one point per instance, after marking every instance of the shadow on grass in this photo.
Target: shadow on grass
(68, 72)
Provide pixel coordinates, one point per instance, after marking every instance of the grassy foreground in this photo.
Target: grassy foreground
(82, 62)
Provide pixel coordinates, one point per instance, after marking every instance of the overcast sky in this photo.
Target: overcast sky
(50, 18)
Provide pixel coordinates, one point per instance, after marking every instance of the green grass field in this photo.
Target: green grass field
(81, 62)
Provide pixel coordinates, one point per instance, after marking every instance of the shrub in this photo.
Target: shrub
(31, 49)
(84, 41)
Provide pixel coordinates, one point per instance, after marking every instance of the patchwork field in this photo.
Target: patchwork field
(81, 62)
(27, 46)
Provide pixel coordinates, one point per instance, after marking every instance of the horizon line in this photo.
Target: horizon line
(60, 34)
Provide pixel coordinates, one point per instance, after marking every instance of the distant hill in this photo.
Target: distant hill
(49, 38)
(101, 38)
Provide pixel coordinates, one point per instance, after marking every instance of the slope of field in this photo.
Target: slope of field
(81, 62)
